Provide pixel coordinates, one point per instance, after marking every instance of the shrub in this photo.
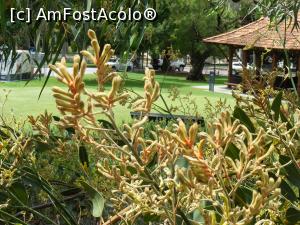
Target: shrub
(242, 170)
(236, 170)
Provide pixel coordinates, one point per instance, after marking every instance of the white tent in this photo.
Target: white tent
(16, 68)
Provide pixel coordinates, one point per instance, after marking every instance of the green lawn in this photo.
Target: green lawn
(23, 100)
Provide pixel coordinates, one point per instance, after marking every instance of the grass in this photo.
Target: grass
(23, 100)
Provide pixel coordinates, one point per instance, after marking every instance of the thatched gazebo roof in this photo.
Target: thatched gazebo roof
(257, 36)
(261, 34)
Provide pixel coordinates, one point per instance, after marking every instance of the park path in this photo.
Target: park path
(223, 89)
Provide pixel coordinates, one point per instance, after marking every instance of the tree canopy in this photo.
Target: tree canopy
(185, 26)
(181, 25)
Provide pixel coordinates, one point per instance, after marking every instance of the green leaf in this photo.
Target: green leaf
(83, 156)
(96, 197)
(3, 135)
(106, 124)
(205, 205)
(276, 105)
(88, 5)
(242, 116)
(42, 147)
(286, 189)
(233, 152)
(293, 216)
(151, 218)
(70, 130)
(19, 191)
(285, 120)
(292, 171)
(153, 162)
(132, 39)
(32, 177)
(56, 118)
(182, 162)
(57, 52)
(132, 170)
(243, 196)
(197, 216)
(71, 191)
(6, 216)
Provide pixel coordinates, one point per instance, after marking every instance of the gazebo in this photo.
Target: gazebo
(257, 37)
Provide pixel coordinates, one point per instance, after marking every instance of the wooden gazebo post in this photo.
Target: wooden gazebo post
(298, 71)
(258, 62)
(245, 58)
(274, 60)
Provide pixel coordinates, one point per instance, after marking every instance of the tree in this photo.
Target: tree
(188, 23)
(184, 24)
(49, 37)
(277, 10)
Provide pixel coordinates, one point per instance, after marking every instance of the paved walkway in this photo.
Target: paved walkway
(223, 89)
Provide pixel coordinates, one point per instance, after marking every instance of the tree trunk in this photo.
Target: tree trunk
(166, 62)
(198, 62)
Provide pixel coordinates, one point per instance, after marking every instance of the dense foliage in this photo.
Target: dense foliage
(83, 168)
(242, 169)
(54, 37)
